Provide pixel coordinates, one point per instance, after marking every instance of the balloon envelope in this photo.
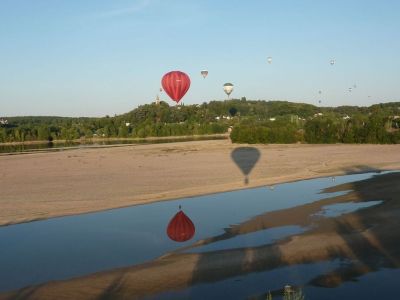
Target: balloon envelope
(180, 228)
(228, 88)
(204, 73)
(332, 62)
(269, 59)
(176, 84)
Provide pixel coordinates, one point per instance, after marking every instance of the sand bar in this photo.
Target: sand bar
(44, 185)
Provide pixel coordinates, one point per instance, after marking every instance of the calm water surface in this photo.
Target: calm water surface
(67, 247)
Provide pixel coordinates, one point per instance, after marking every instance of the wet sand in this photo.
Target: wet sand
(367, 239)
(44, 185)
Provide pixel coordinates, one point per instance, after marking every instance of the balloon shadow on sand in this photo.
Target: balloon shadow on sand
(246, 158)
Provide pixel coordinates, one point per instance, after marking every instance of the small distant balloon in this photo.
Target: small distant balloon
(180, 228)
(161, 90)
(350, 89)
(228, 88)
(332, 62)
(204, 73)
(319, 101)
(355, 86)
(320, 92)
(269, 59)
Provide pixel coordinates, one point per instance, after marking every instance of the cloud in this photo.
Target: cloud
(139, 6)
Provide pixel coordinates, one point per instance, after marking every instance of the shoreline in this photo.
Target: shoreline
(199, 195)
(366, 238)
(114, 139)
(60, 184)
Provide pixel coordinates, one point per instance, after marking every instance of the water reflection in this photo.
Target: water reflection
(180, 228)
(348, 232)
(246, 158)
(336, 210)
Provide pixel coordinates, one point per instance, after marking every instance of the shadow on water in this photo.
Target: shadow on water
(246, 158)
(361, 241)
(366, 240)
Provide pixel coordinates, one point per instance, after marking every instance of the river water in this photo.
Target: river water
(257, 219)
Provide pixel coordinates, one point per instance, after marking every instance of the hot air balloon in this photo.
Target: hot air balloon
(320, 92)
(160, 90)
(350, 89)
(246, 158)
(176, 84)
(355, 86)
(332, 62)
(269, 59)
(180, 228)
(204, 73)
(228, 88)
(319, 101)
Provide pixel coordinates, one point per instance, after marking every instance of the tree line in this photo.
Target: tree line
(253, 121)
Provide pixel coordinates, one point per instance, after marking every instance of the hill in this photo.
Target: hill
(253, 121)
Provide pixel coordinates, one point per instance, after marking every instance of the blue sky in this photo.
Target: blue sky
(98, 57)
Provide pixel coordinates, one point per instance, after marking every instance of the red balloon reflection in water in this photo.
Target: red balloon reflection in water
(180, 228)
(176, 84)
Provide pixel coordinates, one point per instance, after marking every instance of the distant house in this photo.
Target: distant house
(318, 114)
(127, 124)
(346, 117)
(217, 118)
(3, 121)
(272, 119)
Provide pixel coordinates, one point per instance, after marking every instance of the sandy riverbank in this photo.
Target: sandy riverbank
(45, 185)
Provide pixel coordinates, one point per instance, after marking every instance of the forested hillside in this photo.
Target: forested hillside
(252, 122)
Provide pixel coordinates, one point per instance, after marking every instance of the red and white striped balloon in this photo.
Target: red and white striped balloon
(176, 84)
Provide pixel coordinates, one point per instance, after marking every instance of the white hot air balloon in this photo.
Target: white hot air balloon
(228, 88)
(350, 89)
(269, 59)
(204, 73)
(332, 62)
